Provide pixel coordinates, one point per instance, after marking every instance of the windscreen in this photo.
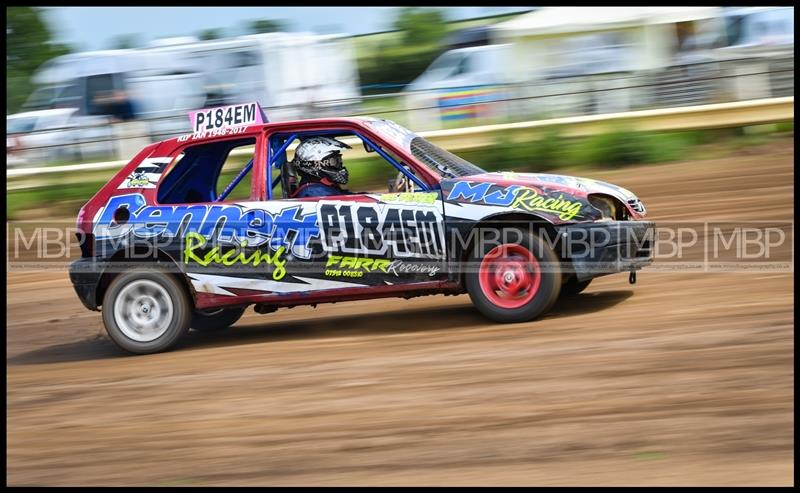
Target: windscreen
(20, 125)
(442, 162)
(445, 162)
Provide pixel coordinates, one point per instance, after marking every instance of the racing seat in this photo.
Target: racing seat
(289, 179)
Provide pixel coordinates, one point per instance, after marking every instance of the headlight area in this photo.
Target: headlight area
(610, 208)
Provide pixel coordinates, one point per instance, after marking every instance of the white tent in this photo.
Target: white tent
(598, 38)
(560, 20)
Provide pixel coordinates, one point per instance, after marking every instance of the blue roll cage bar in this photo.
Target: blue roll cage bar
(276, 157)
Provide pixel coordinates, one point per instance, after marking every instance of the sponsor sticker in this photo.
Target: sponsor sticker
(350, 266)
(410, 197)
(397, 230)
(147, 174)
(565, 206)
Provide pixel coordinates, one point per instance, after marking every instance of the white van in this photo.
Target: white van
(751, 27)
(459, 85)
(465, 67)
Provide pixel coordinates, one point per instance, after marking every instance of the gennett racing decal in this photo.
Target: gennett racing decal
(196, 243)
(290, 227)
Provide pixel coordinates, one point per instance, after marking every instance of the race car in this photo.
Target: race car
(165, 248)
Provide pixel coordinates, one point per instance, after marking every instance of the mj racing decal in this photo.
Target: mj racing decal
(575, 182)
(561, 204)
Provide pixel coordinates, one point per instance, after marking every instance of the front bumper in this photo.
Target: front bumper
(85, 274)
(601, 248)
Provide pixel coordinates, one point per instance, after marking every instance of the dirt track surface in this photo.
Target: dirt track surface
(685, 378)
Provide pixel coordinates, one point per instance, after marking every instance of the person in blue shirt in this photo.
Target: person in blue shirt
(318, 161)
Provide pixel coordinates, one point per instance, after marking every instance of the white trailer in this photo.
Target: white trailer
(290, 74)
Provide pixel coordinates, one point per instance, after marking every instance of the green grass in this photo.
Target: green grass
(616, 148)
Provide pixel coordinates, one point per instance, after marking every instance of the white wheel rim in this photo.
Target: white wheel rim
(143, 310)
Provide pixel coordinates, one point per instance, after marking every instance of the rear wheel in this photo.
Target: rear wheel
(146, 310)
(215, 319)
(514, 282)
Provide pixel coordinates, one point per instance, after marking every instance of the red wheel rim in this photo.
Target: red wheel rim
(509, 276)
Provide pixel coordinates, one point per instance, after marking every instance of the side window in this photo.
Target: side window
(99, 92)
(234, 168)
(204, 172)
(373, 173)
(244, 59)
(368, 170)
(463, 66)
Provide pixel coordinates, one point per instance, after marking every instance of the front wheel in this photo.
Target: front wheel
(514, 282)
(214, 320)
(146, 310)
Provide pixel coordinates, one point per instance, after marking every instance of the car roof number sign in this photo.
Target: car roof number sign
(236, 115)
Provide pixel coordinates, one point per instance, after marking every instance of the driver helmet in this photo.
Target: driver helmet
(321, 157)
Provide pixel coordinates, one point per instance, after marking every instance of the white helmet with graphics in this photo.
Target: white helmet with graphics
(321, 157)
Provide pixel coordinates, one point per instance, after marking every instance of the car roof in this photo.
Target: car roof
(254, 129)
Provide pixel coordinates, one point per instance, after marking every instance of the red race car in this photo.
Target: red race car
(166, 248)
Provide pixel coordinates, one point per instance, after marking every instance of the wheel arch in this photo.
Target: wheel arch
(522, 220)
(158, 257)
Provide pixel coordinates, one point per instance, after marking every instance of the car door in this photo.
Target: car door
(368, 239)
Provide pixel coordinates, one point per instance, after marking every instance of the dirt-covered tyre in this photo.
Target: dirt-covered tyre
(514, 282)
(146, 310)
(215, 319)
(573, 287)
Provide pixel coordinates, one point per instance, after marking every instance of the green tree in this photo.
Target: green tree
(397, 62)
(422, 26)
(266, 26)
(29, 43)
(209, 34)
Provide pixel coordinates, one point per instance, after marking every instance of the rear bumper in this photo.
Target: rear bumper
(85, 274)
(598, 249)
